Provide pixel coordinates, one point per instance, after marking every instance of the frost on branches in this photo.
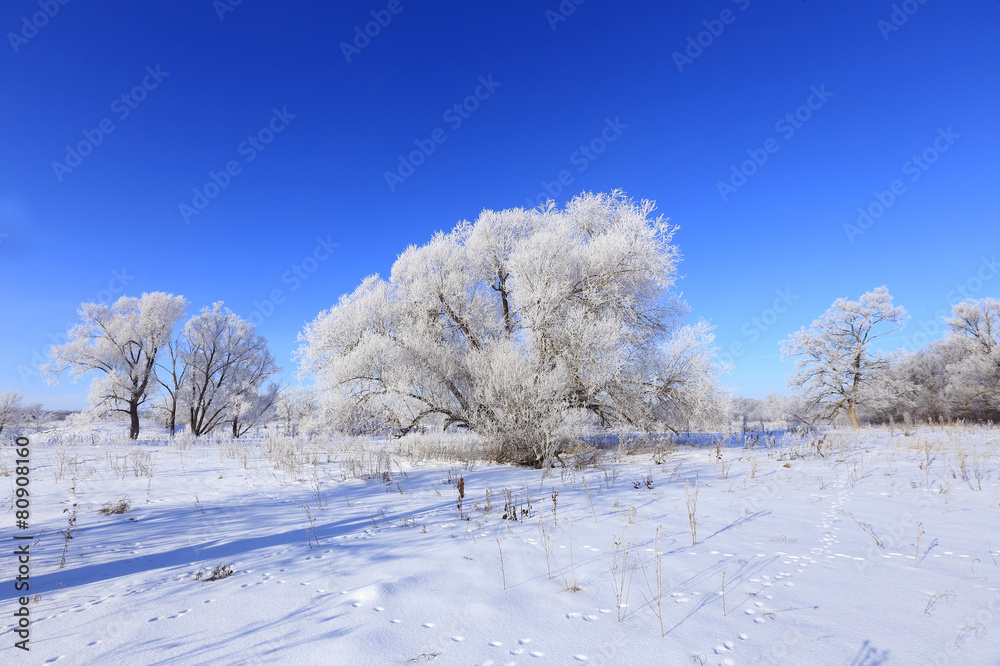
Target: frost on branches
(10, 409)
(122, 341)
(835, 369)
(975, 327)
(225, 366)
(521, 327)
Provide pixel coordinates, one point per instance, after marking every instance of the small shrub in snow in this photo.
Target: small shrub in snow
(221, 571)
(116, 508)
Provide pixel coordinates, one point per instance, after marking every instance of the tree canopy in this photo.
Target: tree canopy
(520, 325)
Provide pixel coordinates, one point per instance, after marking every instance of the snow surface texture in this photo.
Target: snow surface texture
(866, 547)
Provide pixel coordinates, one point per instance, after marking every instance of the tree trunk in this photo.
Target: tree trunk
(852, 413)
(236, 430)
(172, 422)
(133, 415)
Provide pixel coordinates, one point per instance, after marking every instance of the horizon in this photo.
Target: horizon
(272, 157)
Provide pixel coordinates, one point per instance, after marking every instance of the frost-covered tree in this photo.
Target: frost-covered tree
(835, 369)
(226, 366)
(294, 408)
(122, 341)
(10, 409)
(774, 410)
(924, 377)
(254, 407)
(519, 325)
(687, 389)
(33, 415)
(975, 326)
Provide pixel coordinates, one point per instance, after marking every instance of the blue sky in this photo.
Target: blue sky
(828, 106)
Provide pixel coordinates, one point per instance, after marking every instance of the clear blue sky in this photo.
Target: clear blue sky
(197, 87)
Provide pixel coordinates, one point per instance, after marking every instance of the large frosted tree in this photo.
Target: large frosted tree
(835, 368)
(225, 365)
(518, 326)
(122, 342)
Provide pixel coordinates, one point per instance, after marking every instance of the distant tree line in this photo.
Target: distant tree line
(16, 415)
(839, 375)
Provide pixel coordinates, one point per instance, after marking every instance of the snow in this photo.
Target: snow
(786, 568)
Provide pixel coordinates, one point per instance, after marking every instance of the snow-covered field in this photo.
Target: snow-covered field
(841, 547)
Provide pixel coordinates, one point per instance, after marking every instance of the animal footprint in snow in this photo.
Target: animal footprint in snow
(570, 616)
(589, 618)
(458, 639)
(428, 625)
